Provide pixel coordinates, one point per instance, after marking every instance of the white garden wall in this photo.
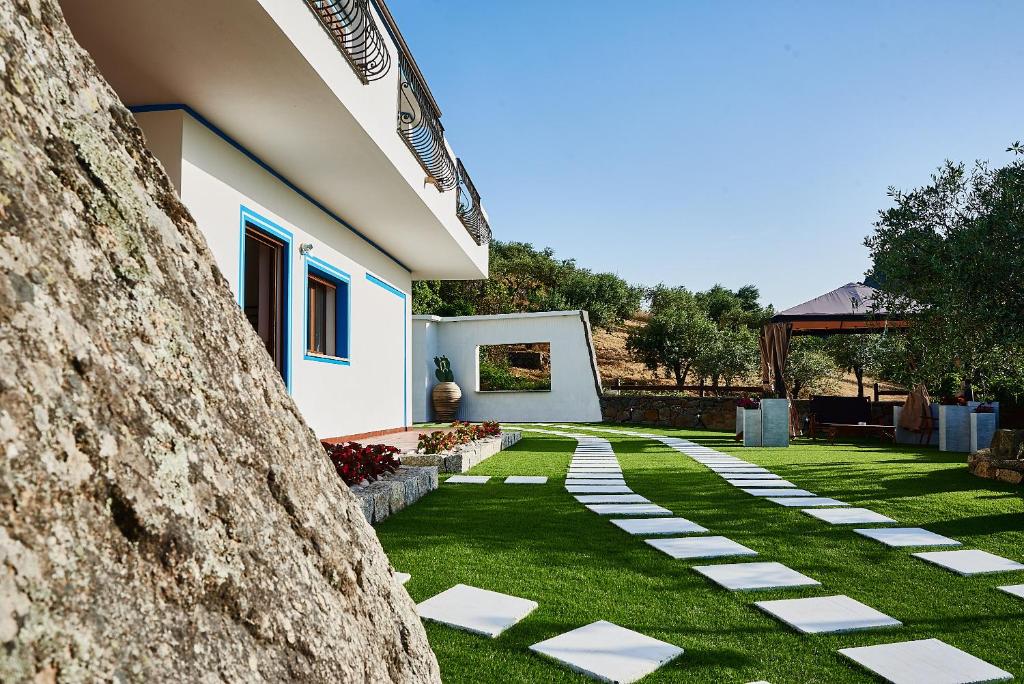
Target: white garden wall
(575, 380)
(216, 182)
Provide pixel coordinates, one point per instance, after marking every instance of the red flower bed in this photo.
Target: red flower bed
(356, 462)
(748, 403)
(446, 440)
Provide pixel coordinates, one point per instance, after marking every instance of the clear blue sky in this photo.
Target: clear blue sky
(695, 142)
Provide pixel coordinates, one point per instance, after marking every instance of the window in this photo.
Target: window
(515, 367)
(327, 312)
(264, 291)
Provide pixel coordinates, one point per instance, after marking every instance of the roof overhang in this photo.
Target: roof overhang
(267, 74)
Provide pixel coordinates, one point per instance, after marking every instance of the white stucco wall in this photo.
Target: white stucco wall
(216, 182)
(574, 394)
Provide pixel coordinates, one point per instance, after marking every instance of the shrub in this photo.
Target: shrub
(355, 462)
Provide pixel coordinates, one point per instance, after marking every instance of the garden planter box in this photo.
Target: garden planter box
(983, 428)
(393, 492)
(907, 437)
(955, 428)
(739, 421)
(751, 427)
(775, 422)
(465, 456)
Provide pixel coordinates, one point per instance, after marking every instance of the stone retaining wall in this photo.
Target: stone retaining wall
(717, 413)
(463, 457)
(394, 492)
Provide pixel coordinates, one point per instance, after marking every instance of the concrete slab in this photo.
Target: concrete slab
(598, 489)
(769, 491)
(969, 561)
(795, 501)
(848, 516)
(926, 660)
(611, 498)
(700, 547)
(906, 536)
(475, 610)
(628, 509)
(752, 576)
(652, 526)
(468, 479)
(607, 652)
(526, 479)
(826, 614)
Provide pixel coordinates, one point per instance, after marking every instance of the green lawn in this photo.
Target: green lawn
(537, 542)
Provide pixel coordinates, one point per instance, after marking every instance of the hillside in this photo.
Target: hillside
(617, 364)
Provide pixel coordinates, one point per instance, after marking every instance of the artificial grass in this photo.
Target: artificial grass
(538, 542)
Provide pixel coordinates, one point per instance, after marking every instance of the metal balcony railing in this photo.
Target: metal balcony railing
(469, 209)
(350, 23)
(419, 124)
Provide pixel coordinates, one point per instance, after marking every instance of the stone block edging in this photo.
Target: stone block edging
(465, 456)
(394, 492)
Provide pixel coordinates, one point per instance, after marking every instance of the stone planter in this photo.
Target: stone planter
(751, 427)
(465, 456)
(775, 422)
(955, 428)
(446, 397)
(983, 428)
(739, 421)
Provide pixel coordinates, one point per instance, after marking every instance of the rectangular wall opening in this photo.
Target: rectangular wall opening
(521, 367)
(264, 291)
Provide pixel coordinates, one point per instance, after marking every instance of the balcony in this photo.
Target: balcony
(469, 210)
(351, 25)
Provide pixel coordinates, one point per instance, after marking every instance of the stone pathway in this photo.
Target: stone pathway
(900, 662)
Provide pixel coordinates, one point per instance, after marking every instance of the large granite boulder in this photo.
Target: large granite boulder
(1008, 445)
(165, 513)
(1003, 460)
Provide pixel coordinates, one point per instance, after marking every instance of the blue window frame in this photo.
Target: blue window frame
(252, 225)
(328, 311)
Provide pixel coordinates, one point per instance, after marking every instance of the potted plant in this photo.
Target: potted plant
(446, 394)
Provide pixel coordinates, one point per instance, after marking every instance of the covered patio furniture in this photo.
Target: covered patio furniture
(850, 416)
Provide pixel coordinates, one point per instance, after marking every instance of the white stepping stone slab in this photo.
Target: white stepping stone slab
(822, 614)
(468, 479)
(587, 472)
(611, 498)
(475, 610)
(751, 476)
(741, 470)
(402, 577)
(927, 660)
(640, 526)
(598, 489)
(761, 483)
(628, 509)
(700, 547)
(749, 576)
(595, 481)
(526, 479)
(907, 536)
(607, 652)
(847, 516)
(794, 501)
(969, 562)
(767, 491)
(1013, 589)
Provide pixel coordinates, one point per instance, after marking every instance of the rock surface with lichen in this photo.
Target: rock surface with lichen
(166, 513)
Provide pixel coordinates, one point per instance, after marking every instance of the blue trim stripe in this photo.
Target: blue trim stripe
(141, 109)
(249, 217)
(405, 342)
(343, 309)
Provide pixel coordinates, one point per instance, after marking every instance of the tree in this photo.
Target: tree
(853, 353)
(810, 369)
(523, 279)
(675, 334)
(951, 256)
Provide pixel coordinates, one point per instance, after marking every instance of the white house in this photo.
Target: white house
(305, 142)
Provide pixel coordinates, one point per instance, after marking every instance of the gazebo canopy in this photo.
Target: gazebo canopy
(845, 310)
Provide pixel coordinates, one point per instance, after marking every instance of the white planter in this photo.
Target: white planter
(955, 428)
(983, 429)
(739, 420)
(775, 422)
(751, 427)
